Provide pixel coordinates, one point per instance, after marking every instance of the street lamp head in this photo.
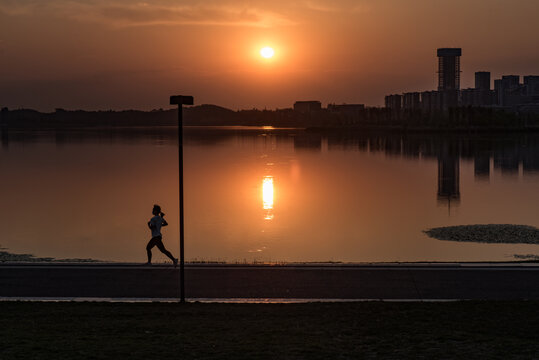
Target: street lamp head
(181, 100)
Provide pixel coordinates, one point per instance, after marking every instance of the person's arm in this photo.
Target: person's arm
(164, 223)
(150, 225)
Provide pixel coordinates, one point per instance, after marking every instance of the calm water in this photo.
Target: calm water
(264, 194)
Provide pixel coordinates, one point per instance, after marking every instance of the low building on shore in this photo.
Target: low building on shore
(306, 107)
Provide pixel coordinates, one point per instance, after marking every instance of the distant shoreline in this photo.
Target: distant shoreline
(311, 129)
(370, 119)
(409, 129)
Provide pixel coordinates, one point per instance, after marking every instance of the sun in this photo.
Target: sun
(267, 52)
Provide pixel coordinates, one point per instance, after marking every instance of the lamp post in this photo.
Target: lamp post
(181, 100)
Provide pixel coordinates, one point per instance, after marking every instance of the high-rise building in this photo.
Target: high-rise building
(480, 95)
(426, 101)
(411, 101)
(482, 80)
(510, 81)
(498, 91)
(394, 102)
(531, 83)
(449, 68)
(508, 90)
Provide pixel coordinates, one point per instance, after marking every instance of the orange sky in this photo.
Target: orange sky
(119, 54)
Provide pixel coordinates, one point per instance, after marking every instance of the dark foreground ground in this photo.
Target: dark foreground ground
(442, 330)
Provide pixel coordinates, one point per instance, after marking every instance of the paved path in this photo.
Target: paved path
(375, 281)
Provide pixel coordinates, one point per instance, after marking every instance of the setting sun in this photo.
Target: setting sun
(267, 52)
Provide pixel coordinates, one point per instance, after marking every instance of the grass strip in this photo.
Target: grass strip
(469, 329)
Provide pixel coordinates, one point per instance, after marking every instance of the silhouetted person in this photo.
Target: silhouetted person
(155, 224)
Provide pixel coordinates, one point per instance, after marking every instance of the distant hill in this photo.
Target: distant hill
(207, 114)
(201, 115)
(196, 115)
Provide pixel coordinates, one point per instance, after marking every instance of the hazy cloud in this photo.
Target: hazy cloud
(360, 8)
(125, 13)
(165, 12)
(342, 6)
(320, 6)
(17, 8)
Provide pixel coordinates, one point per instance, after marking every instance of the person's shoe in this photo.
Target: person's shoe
(175, 261)
(148, 264)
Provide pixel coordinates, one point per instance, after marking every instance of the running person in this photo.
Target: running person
(155, 224)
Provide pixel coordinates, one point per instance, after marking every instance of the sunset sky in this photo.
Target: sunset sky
(122, 54)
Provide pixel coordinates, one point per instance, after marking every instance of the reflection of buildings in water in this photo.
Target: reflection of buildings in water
(347, 142)
(4, 136)
(306, 141)
(482, 167)
(267, 197)
(393, 146)
(530, 158)
(269, 143)
(448, 180)
(377, 144)
(530, 164)
(507, 162)
(60, 138)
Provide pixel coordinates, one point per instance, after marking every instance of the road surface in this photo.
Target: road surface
(362, 281)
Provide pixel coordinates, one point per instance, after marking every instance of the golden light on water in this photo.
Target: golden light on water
(267, 196)
(267, 193)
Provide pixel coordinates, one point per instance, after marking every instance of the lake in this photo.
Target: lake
(265, 194)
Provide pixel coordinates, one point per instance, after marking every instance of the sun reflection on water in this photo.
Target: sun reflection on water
(267, 196)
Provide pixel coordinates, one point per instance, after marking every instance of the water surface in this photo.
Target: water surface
(263, 194)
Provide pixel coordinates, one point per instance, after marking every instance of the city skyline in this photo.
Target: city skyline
(121, 55)
(509, 92)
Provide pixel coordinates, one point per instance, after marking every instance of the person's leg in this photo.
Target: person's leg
(149, 247)
(161, 247)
